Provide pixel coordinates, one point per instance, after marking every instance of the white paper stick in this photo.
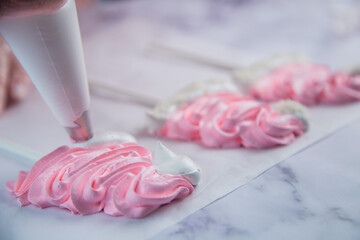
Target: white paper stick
(18, 152)
(237, 70)
(97, 87)
(158, 47)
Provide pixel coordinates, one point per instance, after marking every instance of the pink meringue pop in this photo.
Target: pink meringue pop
(307, 83)
(216, 116)
(118, 179)
(226, 120)
(283, 77)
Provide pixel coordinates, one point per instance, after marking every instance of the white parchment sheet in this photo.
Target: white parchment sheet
(117, 55)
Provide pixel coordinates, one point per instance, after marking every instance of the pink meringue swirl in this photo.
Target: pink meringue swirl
(227, 120)
(119, 180)
(309, 84)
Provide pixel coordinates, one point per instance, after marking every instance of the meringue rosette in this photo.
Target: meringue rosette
(229, 120)
(307, 83)
(118, 179)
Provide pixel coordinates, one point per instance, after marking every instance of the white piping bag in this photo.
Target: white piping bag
(49, 48)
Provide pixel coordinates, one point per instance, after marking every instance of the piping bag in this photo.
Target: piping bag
(48, 46)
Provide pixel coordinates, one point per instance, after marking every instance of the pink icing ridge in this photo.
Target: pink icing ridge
(227, 120)
(119, 180)
(309, 84)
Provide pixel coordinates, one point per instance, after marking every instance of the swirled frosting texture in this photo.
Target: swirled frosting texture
(119, 180)
(309, 84)
(226, 120)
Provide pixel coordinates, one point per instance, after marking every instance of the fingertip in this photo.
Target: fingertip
(19, 82)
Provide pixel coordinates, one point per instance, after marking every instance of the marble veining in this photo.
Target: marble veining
(293, 200)
(312, 195)
(316, 193)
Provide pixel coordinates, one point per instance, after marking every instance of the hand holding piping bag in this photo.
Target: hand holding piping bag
(14, 82)
(46, 40)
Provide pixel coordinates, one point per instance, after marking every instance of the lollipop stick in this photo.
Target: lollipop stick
(18, 152)
(161, 48)
(266, 64)
(97, 87)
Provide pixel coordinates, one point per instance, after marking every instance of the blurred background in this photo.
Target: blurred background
(326, 30)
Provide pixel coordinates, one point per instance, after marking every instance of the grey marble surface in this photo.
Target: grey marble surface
(316, 193)
(326, 30)
(313, 195)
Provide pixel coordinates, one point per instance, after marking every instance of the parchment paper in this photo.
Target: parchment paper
(116, 55)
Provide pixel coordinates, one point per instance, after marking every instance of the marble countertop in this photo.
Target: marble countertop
(312, 195)
(315, 194)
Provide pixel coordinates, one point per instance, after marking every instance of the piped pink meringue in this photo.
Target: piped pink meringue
(117, 179)
(309, 84)
(227, 120)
